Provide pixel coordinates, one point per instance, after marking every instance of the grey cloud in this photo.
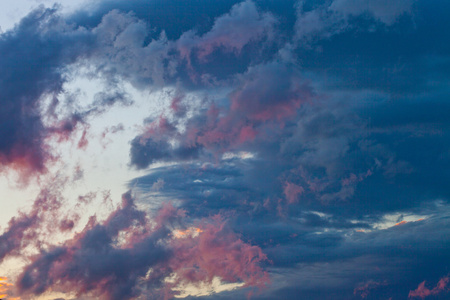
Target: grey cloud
(324, 20)
(386, 11)
(244, 24)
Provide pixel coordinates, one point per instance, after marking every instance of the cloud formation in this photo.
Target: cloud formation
(29, 75)
(422, 291)
(126, 256)
(290, 137)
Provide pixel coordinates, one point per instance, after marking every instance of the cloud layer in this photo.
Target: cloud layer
(303, 146)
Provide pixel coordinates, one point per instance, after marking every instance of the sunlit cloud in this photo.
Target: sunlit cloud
(5, 287)
(205, 289)
(231, 149)
(194, 232)
(398, 219)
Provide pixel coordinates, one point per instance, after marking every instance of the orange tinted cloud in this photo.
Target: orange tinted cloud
(401, 223)
(4, 287)
(188, 232)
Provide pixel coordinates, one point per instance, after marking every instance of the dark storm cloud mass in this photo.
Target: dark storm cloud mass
(363, 135)
(327, 154)
(33, 57)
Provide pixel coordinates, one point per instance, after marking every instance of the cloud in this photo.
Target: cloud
(153, 145)
(126, 256)
(231, 32)
(364, 289)
(5, 287)
(384, 11)
(292, 191)
(324, 20)
(216, 251)
(122, 52)
(422, 291)
(34, 55)
(25, 229)
(305, 126)
(251, 109)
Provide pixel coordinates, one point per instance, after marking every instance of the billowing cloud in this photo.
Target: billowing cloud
(34, 55)
(231, 32)
(216, 251)
(299, 143)
(260, 101)
(126, 256)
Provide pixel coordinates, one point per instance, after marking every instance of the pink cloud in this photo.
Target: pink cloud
(353, 179)
(292, 191)
(422, 291)
(247, 133)
(112, 259)
(66, 225)
(270, 92)
(26, 161)
(217, 251)
(23, 229)
(365, 289)
(83, 142)
(231, 32)
(267, 97)
(158, 129)
(177, 106)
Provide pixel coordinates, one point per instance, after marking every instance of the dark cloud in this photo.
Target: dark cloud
(34, 56)
(231, 32)
(345, 125)
(174, 17)
(143, 153)
(312, 127)
(370, 265)
(153, 145)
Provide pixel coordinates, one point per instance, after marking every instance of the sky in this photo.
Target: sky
(235, 149)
